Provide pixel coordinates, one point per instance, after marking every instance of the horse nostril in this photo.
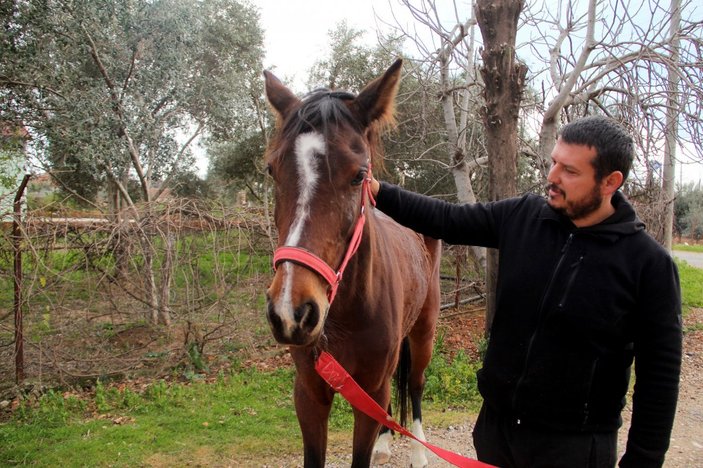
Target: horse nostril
(307, 315)
(302, 311)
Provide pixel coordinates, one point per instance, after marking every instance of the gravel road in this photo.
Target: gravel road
(692, 258)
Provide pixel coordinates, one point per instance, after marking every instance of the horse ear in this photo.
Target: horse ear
(281, 98)
(375, 103)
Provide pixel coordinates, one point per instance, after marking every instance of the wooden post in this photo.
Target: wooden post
(17, 247)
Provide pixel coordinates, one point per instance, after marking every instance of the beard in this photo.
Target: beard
(577, 209)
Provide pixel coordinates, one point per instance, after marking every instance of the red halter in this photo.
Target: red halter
(309, 260)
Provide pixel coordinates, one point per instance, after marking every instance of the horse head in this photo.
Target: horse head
(320, 161)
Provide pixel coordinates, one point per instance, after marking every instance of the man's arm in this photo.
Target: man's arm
(473, 224)
(658, 342)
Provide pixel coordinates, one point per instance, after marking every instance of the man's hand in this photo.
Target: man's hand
(375, 187)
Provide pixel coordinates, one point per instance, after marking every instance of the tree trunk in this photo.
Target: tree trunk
(504, 80)
(120, 240)
(456, 133)
(672, 111)
(166, 276)
(150, 290)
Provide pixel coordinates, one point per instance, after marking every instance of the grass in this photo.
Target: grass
(247, 412)
(691, 291)
(452, 382)
(688, 248)
(205, 254)
(242, 417)
(691, 285)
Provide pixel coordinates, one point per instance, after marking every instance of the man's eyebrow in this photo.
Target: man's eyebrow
(568, 166)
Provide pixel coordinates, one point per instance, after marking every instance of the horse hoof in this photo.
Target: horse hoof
(418, 458)
(382, 449)
(381, 458)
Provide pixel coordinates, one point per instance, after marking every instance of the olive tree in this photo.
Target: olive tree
(116, 92)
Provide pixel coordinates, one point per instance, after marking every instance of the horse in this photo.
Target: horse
(348, 280)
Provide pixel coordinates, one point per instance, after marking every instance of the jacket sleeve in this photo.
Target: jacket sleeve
(468, 224)
(658, 343)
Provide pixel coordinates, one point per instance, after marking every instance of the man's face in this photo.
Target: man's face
(572, 188)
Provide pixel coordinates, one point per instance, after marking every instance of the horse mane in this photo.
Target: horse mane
(323, 110)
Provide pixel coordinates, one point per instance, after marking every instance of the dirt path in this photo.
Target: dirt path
(686, 450)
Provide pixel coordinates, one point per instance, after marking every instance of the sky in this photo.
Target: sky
(297, 31)
(296, 35)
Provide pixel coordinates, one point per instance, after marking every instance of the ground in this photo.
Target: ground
(686, 448)
(464, 331)
(460, 329)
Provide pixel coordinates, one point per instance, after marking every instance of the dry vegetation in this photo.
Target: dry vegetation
(87, 314)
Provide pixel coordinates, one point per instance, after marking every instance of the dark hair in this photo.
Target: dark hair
(614, 147)
(318, 110)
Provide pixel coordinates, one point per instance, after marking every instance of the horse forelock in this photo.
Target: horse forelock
(322, 111)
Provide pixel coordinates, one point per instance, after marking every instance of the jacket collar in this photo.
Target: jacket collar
(623, 222)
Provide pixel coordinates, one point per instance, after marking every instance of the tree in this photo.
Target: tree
(446, 72)
(350, 64)
(504, 80)
(689, 211)
(414, 147)
(671, 127)
(633, 61)
(115, 91)
(239, 162)
(12, 166)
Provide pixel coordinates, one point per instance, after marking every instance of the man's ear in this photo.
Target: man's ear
(612, 182)
(282, 100)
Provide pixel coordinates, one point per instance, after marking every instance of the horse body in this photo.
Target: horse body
(390, 287)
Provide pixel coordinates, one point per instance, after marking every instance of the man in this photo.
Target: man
(582, 291)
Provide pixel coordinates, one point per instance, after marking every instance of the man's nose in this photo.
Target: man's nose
(552, 175)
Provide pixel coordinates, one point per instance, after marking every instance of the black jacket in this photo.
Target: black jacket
(574, 306)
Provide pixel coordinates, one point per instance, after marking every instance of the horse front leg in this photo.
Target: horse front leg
(313, 409)
(382, 447)
(366, 430)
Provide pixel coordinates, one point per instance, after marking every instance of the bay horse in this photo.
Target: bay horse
(388, 298)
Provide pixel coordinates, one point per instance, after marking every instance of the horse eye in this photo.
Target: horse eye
(269, 170)
(359, 177)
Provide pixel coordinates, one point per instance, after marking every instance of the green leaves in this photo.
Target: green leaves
(111, 87)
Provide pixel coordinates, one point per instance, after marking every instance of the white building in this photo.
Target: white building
(13, 162)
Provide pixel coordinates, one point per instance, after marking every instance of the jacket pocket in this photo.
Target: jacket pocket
(557, 389)
(588, 392)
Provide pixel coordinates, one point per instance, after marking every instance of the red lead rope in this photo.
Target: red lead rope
(338, 378)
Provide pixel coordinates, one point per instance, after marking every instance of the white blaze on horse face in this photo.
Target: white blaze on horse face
(306, 147)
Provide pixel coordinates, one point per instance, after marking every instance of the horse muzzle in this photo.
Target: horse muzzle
(303, 330)
(296, 313)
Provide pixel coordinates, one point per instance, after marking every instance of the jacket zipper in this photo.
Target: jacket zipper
(575, 269)
(540, 316)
